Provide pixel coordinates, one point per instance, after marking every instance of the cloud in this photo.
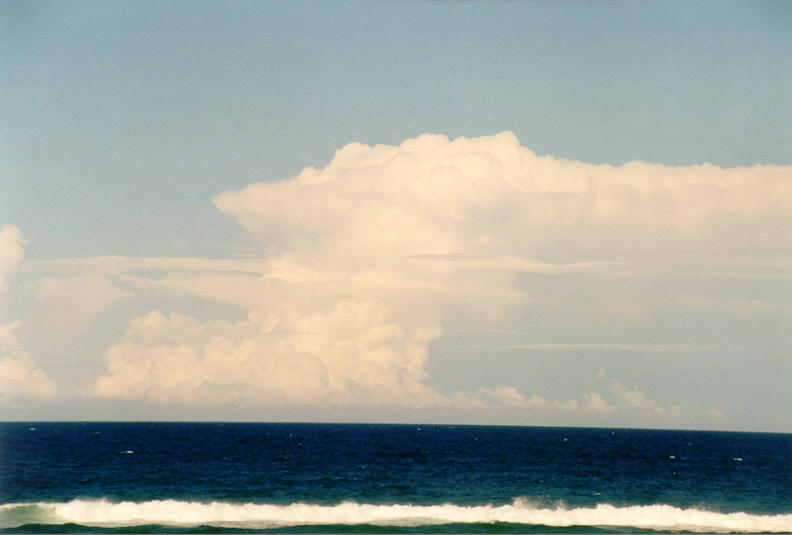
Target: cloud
(640, 348)
(595, 404)
(117, 265)
(715, 414)
(62, 307)
(632, 398)
(351, 354)
(20, 380)
(627, 399)
(11, 253)
(363, 263)
(65, 296)
(734, 307)
(489, 197)
(510, 397)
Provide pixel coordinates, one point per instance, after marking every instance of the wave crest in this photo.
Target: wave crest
(105, 513)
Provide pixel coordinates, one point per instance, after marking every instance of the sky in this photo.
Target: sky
(521, 212)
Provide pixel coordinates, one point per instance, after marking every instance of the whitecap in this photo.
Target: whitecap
(105, 513)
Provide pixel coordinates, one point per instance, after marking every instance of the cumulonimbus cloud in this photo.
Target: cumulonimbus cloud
(490, 197)
(366, 261)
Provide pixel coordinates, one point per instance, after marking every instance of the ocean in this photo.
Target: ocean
(350, 478)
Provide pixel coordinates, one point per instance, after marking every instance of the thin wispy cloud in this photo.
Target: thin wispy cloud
(643, 348)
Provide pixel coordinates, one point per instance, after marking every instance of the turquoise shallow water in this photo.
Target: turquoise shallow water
(214, 477)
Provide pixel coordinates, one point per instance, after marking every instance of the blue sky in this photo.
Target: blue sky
(128, 125)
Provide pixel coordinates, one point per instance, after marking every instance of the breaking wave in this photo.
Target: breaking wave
(105, 513)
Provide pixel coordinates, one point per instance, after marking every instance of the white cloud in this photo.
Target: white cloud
(116, 265)
(20, 380)
(489, 197)
(62, 307)
(632, 398)
(511, 397)
(627, 399)
(715, 414)
(734, 307)
(11, 253)
(595, 404)
(508, 395)
(639, 348)
(352, 354)
(366, 261)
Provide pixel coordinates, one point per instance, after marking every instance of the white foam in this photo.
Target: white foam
(262, 515)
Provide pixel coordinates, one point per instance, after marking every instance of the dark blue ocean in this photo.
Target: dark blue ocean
(332, 478)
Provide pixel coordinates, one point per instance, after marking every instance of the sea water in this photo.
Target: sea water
(227, 477)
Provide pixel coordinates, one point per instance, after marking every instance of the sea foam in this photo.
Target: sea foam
(105, 513)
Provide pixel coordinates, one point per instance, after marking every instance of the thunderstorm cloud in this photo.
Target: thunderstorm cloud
(367, 261)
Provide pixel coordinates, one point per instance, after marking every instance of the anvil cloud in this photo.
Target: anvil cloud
(365, 262)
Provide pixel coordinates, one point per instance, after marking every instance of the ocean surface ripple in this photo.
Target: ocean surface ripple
(213, 477)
